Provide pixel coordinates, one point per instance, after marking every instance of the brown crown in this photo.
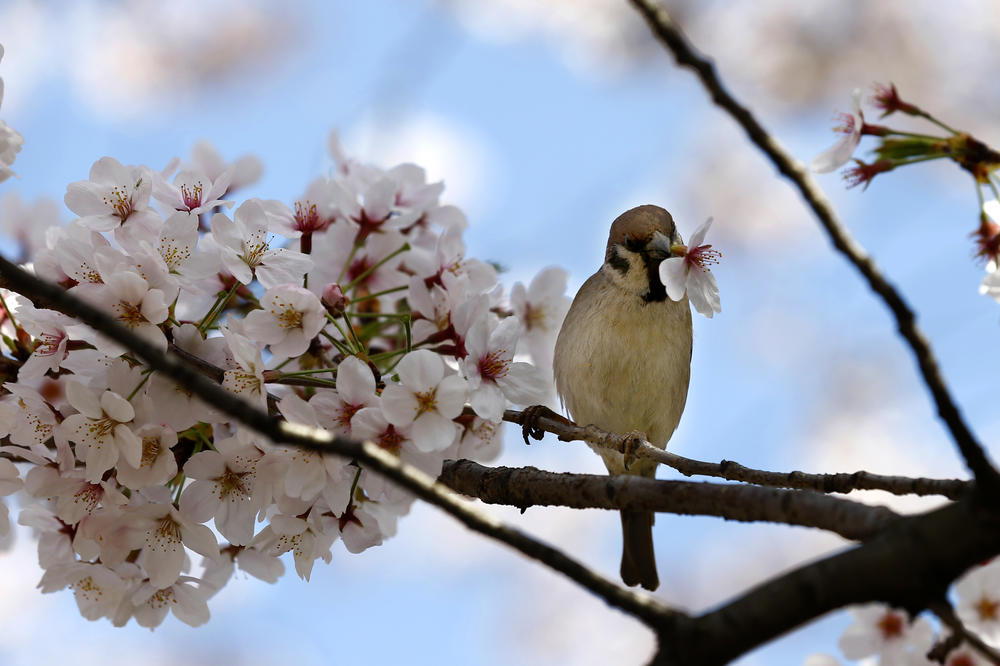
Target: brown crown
(639, 224)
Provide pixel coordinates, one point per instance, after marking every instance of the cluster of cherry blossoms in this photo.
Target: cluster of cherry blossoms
(890, 637)
(354, 309)
(898, 148)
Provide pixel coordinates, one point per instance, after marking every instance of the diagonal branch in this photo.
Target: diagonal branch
(526, 486)
(670, 35)
(371, 456)
(733, 471)
(908, 565)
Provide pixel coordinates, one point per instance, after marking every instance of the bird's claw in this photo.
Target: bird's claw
(633, 442)
(529, 421)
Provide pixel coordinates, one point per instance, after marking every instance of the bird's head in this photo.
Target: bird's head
(640, 239)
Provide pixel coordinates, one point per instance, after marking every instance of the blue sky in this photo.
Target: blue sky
(543, 159)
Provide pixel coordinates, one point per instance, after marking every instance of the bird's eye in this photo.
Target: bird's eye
(634, 245)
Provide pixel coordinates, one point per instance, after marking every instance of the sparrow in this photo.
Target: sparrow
(623, 360)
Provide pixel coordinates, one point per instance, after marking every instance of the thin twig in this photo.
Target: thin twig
(526, 486)
(640, 605)
(670, 35)
(946, 613)
(733, 471)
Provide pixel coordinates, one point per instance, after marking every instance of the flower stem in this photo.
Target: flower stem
(371, 269)
(220, 304)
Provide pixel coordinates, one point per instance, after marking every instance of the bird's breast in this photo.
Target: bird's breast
(622, 363)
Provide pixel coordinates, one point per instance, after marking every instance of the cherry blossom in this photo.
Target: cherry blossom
(541, 307)
(688, 272)
(226, 489)
(355, 391)
(168, 531)
(48, 327)
(979, 601)
(425, 398)
(100, 429)
(850, 127)
(888, 634)
(10, 141)
(289, 318)
(246, 251)
(494, 377)
(113, 196)
(193, 191)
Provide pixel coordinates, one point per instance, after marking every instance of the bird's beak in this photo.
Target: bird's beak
(658, 246)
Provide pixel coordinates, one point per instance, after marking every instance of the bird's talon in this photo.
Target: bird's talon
(633, 441)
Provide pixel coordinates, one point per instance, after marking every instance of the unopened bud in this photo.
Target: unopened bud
(334, 300)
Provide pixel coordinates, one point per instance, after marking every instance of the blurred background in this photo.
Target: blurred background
(546, 119)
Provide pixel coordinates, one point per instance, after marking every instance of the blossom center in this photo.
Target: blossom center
(987, 609)
(150, 450)
(891, 625)
(390, 439)
(168, 529)
(288, 317)
(101, 428)
(120, 200)
(493, 366)
(702, 256)
(129, 314)
(307, 217)
(192, 195)
(231, 483)
(48, 343)
(89, 495)
(426, 402)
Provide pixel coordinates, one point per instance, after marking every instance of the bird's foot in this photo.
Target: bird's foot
(530, 417)
(633, 442)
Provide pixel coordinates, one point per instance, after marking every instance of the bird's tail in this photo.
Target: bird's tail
(638, 560)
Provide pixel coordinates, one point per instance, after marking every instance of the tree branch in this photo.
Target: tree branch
(527, 486)
(642, 606)
(670, 35)
(908, 565)
(566, 430)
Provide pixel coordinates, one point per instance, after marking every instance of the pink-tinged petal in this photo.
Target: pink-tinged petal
(399, 405)
(368, 423)
(205, 465)
(355, 381)
(288, 525)
(154, 307)
(200, 500)
(859, 642)
(117, 407)
(199, 538)
(83, 399)
(433, 432)
(698, 237)
(101, 456)
(450, 396)
(421, 370)
(504, 337)
(226, 232)
(127, 286)
(379, 199)
(488, 401)
(525, 384)
(191, 607)
(477, 341)
(235, 522)
(674, 276)
(297, 410)
(703, 292)
(129, 445)
(837, 155)
(163, 560)
(283, 266)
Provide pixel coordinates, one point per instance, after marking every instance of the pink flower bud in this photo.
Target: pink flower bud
(334, 300)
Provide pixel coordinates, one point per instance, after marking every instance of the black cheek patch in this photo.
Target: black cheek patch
(618, 262)
(657, 292)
